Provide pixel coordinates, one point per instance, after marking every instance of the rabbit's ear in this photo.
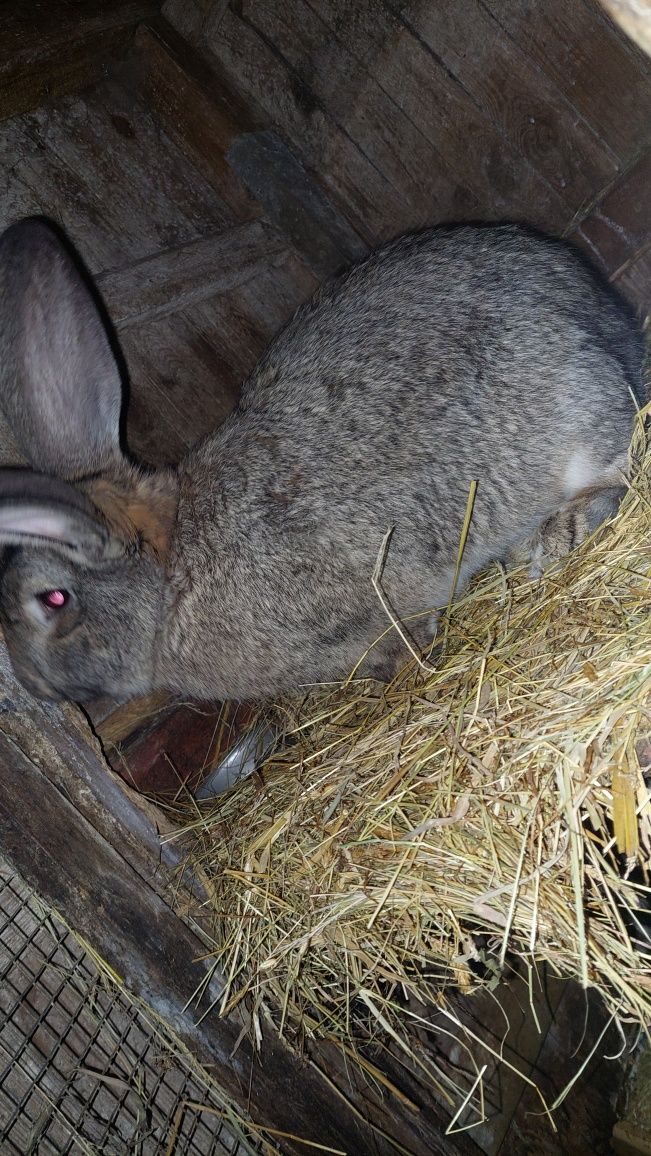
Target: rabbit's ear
(38, 510)
(60, 387)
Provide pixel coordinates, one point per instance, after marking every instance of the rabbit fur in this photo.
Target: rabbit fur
(456, 354)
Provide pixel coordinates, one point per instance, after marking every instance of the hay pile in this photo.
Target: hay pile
(400, 824)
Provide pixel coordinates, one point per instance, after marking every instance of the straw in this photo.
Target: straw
(494, 796)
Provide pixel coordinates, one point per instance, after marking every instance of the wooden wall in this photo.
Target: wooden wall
(413, 111)
(91, 134)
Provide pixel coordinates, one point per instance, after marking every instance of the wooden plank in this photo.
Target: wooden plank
(616, 234)
(605, 79)
(634, 280)
(428, 1121)
(513, 1023)
(183, 384)
(295, 202)
(48, 50)
(190, 16)
(258, 308)
(451, 123)
(100, 166)
(153, 431)
(632, 1134)
(520, 1024)
(250, 167)
(113, 722)
(186, 368)
(619, 225)
(145, 943)
(179, 278)
(548, 1047)
(197, 112)
(631, 1141)
(258, 72)
(584, 1120)
(354, 103)
(29, 37)
(466, 65)
(57, 740)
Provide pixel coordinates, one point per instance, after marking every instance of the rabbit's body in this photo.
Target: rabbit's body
(447, 357)
(453, 356)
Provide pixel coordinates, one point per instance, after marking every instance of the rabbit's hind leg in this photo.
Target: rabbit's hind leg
(566, 529)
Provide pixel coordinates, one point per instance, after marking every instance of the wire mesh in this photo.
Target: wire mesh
(81, 1067)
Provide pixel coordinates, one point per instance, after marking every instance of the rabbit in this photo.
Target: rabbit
(565, 530)
(332, 499)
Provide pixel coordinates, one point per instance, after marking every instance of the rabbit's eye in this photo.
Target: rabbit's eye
(54, 599)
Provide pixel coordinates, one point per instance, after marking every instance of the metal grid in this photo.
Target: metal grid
(81, 1067)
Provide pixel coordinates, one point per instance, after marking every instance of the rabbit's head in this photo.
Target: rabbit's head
(83, 532)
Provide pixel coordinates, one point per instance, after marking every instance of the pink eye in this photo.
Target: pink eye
(54, 599)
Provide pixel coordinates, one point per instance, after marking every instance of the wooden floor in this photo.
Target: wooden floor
(411, 112)
(216, 163)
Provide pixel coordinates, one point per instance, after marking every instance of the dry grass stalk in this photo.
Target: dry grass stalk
(400, 822)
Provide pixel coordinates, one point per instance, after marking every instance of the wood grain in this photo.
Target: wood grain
(619, 225)
(634, 280)
(190, 16)
(59, 743)
(186, 368)
(526, 106)
(144, 942)
(295, 202)
(197, 112)
(49, 50)
(514, 1022)
(603, 77)
(170, 280)
(585, 1119)
(100, 166)
(258, 72)
(113, 722)
(252, 168)
(616, 234)
(452, 124)
(462, 114)
(355, 104)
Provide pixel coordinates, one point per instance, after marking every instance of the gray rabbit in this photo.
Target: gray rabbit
(455, 355)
